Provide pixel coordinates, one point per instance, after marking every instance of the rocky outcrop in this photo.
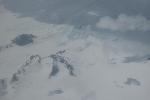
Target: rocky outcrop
(23, 39)
(55, 92)
(58, 58)
(3, 87)
(32, 59)
(132, 81)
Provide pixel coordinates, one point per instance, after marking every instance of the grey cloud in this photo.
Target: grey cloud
(75, 11)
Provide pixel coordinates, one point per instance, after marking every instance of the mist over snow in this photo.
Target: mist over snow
(74, 50)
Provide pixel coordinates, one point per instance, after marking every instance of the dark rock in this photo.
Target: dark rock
(15, 77)
(21, 71)
(23, 39)
(1, 48)
(55, 69)
(58, 91)
(38, 57)
(61, 52)
(3, 87)
(60, 59)
(132, 81)
(9, 45)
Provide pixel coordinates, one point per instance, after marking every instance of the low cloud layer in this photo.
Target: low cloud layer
(124, 23)
(74, 12)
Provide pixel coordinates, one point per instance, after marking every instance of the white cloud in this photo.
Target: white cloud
(124, 23)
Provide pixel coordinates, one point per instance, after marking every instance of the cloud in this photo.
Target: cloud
(124, 23)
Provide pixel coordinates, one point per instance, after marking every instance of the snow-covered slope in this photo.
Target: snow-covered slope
(65, 63)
